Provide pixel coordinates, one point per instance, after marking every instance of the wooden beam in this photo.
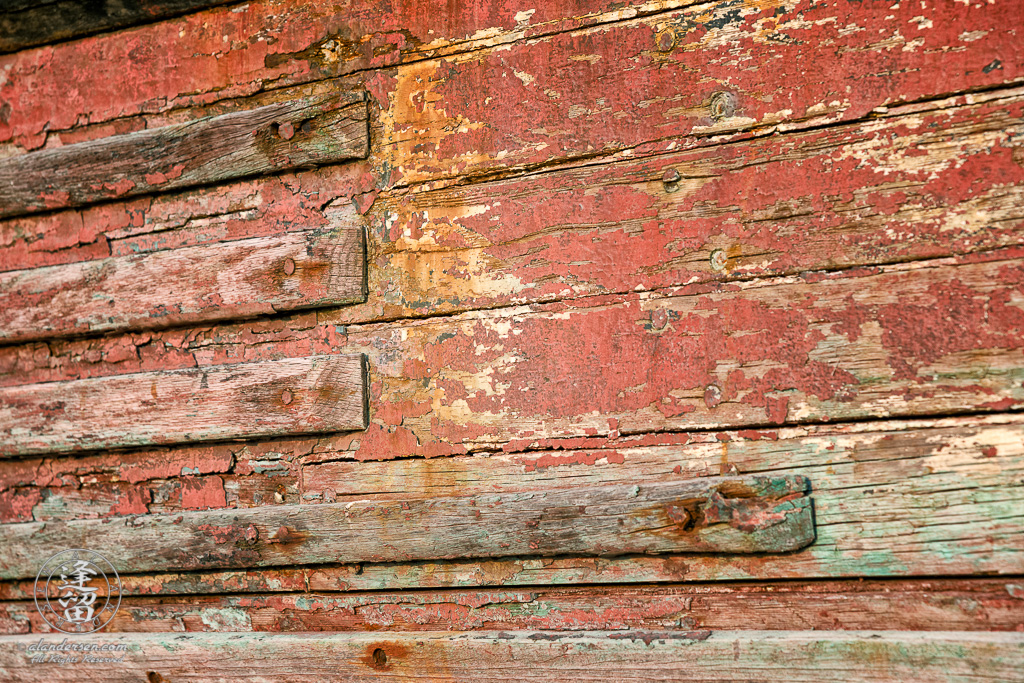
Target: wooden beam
(307, 132)
(969, 604)
(798, 656)
(203, 283)
(314, 394)
(38, 22)
(710, 515)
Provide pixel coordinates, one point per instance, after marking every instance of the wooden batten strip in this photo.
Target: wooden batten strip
(315, 394)
(627, 655)
(709, 515)
(304, 132)
(204, 283)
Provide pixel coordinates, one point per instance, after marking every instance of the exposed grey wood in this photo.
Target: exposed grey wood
(797, 656)
(315, 394)
(305, 132)
(707, 515)
(26, 24)
(222, 281)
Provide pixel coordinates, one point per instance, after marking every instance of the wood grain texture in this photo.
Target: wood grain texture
(709, 515)
(796, 349)
(540, 656)
(915, 184)
(27, 24)
(276, 137)
(204, 283)
(682, 79)
(299, 395)
(894, 605)
(250, 47)
(897, 498)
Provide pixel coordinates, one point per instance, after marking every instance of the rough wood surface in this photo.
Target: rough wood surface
(299, 395)
(909, 186)
(682, 78)
(276, 137)
(536, 656)
(205, 283)
(919, 498)
(37, 22)
(820, 346)
(904, 605)
(707, 515)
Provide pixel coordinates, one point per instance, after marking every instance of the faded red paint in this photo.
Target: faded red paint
(200, 493)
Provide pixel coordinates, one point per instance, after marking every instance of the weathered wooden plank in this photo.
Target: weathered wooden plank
(820, 346)
(903, 605)
(917, 185)
(38, 22)
(843, 196)
(534, 656)
(205, 283)
(259, 207)
(890, 499)
(709, 515)
(276, 137)
(247, 48)
(702, 71)
(294, 396)
(171, 479)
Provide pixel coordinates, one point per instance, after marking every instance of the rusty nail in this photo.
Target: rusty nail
(723, 105)
(719, 260)
(666, 40)
(285, 130)
(670, 179)
(677, 514)
(286, 397)
(380, 658)
(289, 266)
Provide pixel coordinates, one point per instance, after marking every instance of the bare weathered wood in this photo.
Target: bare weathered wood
(908, 605)
(38, 22)
(275, 137)
(710, 515)
(890, 499)
(629, 655)
(314, 394)
(204, 283)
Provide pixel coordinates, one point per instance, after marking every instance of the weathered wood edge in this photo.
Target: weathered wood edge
(307, 132)
(41, 23)
(709, 515)
(210, 282)
(307, 395)
(533, 655)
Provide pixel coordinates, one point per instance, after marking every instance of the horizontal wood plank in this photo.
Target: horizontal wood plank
(295, 396)
(276, 137)
(709, 515)
(681, 78)
(538, 656)
(249, 47)
(895, 605)
(27, 24)
(798, 349)
(916, 185)
(204, 283)
(690, 71)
